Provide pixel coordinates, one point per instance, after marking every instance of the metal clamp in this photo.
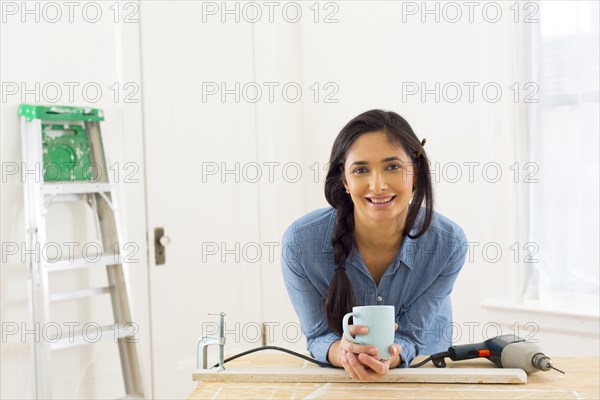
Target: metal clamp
(205, 341)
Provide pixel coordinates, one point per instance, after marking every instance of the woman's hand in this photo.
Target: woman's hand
(362, 362)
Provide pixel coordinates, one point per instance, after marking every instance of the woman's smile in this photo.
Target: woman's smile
(381, 202)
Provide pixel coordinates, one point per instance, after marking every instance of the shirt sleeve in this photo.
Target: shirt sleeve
(416, 325)
(306, 299)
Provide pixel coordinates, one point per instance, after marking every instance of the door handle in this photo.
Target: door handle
(160, 242)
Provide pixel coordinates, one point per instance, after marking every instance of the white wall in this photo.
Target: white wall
(49, 54)
(368, 55)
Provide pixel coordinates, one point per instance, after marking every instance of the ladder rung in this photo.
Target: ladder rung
(76, 188)
(82, 262)
(79, 294)
(91, 336)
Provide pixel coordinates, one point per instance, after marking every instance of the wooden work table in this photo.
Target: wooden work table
(580, 382)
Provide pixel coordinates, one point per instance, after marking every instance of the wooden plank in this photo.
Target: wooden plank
(334, 375)
(580, 383)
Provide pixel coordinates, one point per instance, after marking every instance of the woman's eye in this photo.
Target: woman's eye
(393, 167)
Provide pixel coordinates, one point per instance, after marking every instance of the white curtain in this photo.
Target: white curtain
(564, 145)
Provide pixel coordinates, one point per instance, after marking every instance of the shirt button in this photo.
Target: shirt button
(379, 299)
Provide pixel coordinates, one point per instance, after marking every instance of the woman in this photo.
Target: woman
(377, 245)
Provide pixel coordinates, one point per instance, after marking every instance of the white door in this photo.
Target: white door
(210, 218)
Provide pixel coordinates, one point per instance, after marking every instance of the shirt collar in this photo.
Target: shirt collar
(408, 251)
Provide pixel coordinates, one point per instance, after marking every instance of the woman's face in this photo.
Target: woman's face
(379, 176)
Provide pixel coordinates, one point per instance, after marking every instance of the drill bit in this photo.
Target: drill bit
(556, 369)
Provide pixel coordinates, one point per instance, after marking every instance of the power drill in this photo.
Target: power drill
(506, 351)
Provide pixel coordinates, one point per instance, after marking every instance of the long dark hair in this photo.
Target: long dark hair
(340, 295)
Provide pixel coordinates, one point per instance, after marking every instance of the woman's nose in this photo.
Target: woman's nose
(377, 183)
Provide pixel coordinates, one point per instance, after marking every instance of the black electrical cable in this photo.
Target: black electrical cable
(437, 358)
(425, 361)
(312, 360)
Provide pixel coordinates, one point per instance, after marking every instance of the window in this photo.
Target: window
(564, 131)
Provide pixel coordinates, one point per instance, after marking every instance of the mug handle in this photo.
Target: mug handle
(346, 329)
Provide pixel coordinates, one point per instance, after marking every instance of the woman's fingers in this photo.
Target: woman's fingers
(358, 370)
(360, 348)
(395, 349)
(366, 368)
(347, 367)
(358, 329)
(355, 347)
(362, 362)
(379, 367)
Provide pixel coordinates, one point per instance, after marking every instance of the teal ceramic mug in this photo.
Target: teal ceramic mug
(380, 320)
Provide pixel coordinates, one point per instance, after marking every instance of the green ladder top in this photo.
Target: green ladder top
(60, 113)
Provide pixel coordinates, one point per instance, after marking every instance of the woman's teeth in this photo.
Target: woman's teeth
(379, 201)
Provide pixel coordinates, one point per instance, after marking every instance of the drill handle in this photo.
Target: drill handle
(468, 351)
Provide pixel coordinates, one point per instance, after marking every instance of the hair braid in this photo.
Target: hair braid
(340, 295)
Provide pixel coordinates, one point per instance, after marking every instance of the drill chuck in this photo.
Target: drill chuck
(543, 362)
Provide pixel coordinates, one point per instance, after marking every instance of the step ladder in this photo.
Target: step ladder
(65, 145)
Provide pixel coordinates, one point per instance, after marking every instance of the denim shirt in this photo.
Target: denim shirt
(418, 282)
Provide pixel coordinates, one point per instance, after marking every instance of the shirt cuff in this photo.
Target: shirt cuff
(408, 352)
(319, 347)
